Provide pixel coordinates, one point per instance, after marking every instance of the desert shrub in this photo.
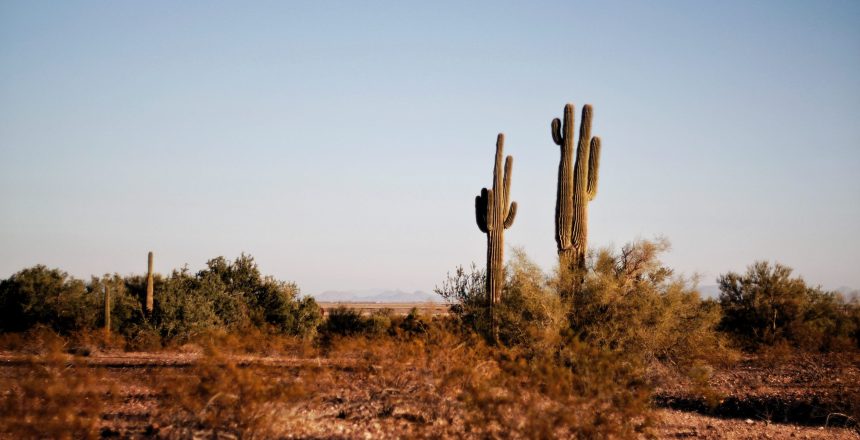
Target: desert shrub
(39, 295)
(278, 304)
(250, 341)
(465, 293)
(484, 391)
(344, 321)
(766, 306)
(529, 314)
(184, 308)
(51, 397)
(126, 308)
(413, 323)
(581, 391)
(231, 295)
(225, 295)
(242, 295)
(219, 398)
(630, 301)
(380, 321)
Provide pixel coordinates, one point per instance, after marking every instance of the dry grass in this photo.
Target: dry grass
(436, 384)
(52, 396)
(432, 384)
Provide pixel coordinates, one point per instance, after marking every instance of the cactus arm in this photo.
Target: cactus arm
(555, 128)
(481, 212)
(512, 212)
(593, 167)
(509, 163)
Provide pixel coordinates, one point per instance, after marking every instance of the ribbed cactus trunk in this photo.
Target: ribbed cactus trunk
(577, 185)
(149, 285)
(494, 214)
(107, 310)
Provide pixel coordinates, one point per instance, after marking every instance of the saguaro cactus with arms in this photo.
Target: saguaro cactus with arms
(494, 214)
(577, 185)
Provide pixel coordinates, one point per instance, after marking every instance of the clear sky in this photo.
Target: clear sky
(342, 143)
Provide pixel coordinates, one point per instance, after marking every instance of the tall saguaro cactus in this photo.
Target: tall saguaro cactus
(494, 214)
(149, 282)
(577, 186)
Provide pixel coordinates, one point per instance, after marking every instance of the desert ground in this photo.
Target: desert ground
(340, 394)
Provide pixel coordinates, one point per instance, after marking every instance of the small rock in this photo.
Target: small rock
(152, 429)
(109, 432)
(749, 421)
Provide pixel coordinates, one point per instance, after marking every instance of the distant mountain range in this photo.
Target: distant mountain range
(377, 296)
(713, 291)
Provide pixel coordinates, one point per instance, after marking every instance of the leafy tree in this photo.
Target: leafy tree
(39, 295)
(767, 305)
(225, 295)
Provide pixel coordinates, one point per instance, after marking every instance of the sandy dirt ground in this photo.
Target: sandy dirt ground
(751, 401)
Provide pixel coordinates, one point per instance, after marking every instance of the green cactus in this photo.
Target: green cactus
(149, 287)
(577, 185)
(107, 310)
(494, 215)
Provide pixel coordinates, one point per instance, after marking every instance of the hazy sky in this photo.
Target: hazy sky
(342, 143)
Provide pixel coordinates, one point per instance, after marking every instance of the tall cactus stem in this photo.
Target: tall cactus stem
(494, 214)
(149, 285)
(107, 310)
(577, 185)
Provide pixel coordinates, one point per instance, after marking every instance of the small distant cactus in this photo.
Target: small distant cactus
(107, 310)
(577, 185)
(149, 285)
(494, 215)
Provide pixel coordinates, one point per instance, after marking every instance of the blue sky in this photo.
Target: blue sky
(342, 143)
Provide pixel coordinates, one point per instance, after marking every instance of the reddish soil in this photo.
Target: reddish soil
(799, 396)
(807, 397)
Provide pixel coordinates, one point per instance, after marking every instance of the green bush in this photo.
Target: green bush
(127, 313)
(184, 308)
(630, 301)
(344, 321)
(413, 323)
(766, 306)
(530, 314)
(466, 295)
(39, 295)
(226, 295)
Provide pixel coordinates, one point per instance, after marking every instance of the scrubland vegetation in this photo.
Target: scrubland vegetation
(226, 296)
(596, 354)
